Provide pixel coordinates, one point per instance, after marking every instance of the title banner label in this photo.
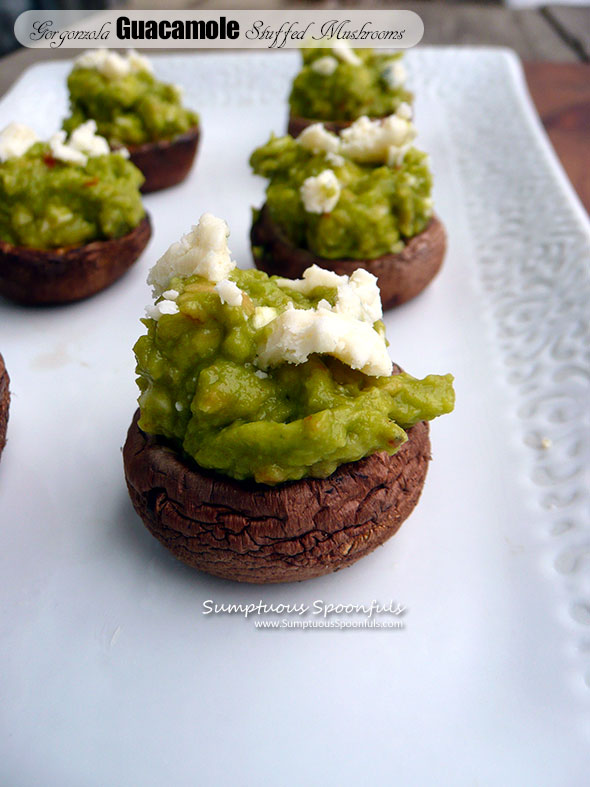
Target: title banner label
(290, 29)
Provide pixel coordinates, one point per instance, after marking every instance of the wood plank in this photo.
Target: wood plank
(561, 93)
(524, 30)
(573, 24)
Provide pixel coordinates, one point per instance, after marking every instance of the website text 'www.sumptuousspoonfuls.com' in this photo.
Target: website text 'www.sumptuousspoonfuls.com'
(286, 624)
(316, 615)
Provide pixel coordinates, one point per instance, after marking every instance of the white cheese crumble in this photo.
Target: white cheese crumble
(229, 292)
(298, 333)
(15, 140)
(360, 297)
(320, 194)
(343, 50)
(260, 374)
(366, 141)
(325, 65)
(138, 62)
(335, 160)
(85, 139)
(357, 295)
(394, 74)
(170, 295)
(318, 140)
(168, 307)
(313, 277)
(112, 65)
(62, 151)
(164, 307)
(262, 316)
(375, 141)
(404, 111)
(203, 252)
(83, 143)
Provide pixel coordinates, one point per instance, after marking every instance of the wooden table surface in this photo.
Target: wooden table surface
(561, 92)
(553, 42)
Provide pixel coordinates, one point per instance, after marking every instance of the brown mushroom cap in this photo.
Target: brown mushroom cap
(255, 533)
(297, 124)
(4, 403)
(166, 162)
(38, 276)
(401, 276)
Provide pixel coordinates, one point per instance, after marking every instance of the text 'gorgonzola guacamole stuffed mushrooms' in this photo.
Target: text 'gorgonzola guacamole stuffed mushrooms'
(337, 85)
(361, 199)
(71, 216)
(4, 403)
(275, 440)
(135, 110)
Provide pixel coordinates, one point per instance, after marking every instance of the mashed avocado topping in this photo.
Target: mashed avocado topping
(130, 106)
(358, 196)
(235, 381)
(65, 192)
(340, 83)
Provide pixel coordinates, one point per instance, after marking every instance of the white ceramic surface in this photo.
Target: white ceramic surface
(111, 674)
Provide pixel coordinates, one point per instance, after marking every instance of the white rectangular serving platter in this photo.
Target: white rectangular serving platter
(111, 674)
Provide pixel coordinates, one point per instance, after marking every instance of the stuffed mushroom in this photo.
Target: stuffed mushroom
(358, 200)
(71, 215)
(337, 85)
(133, 109)
(275, 440)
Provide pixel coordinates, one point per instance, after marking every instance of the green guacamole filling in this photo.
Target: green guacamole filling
(46, 203)
(200, 388)
(379, 208)
(350, 91)
(131, 110)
